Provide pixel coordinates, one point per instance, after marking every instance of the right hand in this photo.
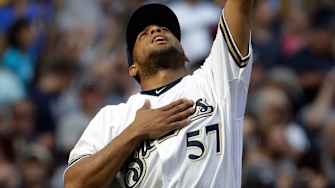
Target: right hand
(155, 123)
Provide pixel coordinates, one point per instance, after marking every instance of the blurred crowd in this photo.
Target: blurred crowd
(62, 60)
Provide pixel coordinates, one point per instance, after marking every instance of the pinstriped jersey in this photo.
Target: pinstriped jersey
(205, 154)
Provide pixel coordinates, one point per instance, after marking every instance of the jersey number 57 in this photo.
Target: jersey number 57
(192, 142)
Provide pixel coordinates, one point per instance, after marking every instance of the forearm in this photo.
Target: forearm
(99, 169)
(238, 15)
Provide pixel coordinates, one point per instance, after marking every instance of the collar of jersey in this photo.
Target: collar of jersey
(160, 90)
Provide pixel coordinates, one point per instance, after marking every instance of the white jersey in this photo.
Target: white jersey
(205, 154)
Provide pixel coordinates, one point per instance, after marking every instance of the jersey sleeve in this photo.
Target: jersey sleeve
(225, 71)
(95, 137)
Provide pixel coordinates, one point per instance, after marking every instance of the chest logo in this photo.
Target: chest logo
(135, 168)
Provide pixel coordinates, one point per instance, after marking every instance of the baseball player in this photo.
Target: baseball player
(180, 131)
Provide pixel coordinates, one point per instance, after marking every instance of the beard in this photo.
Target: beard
(162, 59)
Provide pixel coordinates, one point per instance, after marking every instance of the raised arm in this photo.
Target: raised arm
(237, 14)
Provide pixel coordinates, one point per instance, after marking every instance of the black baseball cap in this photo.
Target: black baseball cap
(150, 14)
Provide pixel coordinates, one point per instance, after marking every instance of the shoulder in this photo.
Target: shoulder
(112, 112)
(120, 111)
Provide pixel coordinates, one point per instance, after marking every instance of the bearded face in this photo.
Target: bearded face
(156, 48)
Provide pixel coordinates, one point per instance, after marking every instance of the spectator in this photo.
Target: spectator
(23, 126)
(72, 125)
(315, 114)
(265, 40)
(283, 139)
(32, 10)
(11, 89)
(35, 167)
(16, 58)
(294, 32)
(55, 78)
(9, 177)
(316, 59)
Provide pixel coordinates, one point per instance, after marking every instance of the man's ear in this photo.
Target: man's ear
(133, 70)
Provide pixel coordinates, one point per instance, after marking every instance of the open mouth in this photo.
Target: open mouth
(159, 39)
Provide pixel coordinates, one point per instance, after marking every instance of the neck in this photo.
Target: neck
(163, 77)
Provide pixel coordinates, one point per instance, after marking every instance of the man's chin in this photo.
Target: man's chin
(167, 56)
(163, 57)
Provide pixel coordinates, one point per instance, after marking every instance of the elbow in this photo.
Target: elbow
(76, 180)
(71, 181)
(70, 185)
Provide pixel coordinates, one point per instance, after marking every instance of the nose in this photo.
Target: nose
(153, 29)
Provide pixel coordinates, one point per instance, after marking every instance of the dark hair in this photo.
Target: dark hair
(323, 18)
(14, 32)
